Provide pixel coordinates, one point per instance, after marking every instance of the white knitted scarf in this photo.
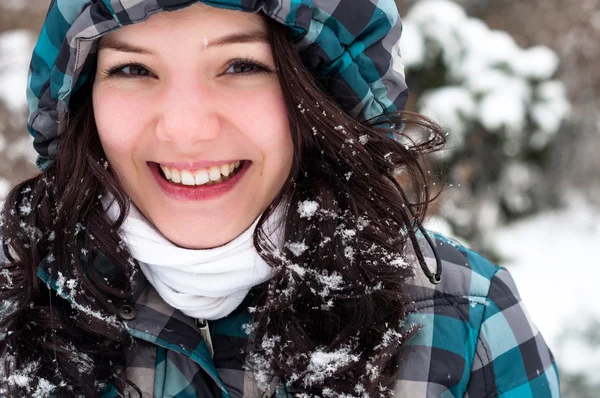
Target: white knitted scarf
(206, 283)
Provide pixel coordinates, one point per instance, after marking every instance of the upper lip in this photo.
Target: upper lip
(205, 164)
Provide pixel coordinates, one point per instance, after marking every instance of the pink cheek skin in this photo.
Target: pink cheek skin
(265, 120)
(120, 120)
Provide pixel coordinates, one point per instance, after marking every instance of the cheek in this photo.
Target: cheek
(119, 121)
(264, 119)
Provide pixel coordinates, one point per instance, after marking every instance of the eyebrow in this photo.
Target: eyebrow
(109, 42)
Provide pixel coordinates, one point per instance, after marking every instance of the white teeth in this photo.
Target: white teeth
(214, 173)
(187, 178)
(167, 172)
(210, 176)
(202, 177)
(225, 170)
(175, 176)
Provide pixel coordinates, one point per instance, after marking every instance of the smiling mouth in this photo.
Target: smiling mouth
(202, 177)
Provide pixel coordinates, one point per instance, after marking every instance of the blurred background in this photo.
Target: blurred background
(515, 86)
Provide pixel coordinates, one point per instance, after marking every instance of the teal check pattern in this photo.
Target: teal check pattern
(352, 46)
(476, 340)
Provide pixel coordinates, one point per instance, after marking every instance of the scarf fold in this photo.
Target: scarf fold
(201, 283)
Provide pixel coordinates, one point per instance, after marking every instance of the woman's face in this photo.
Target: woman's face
(185, 95)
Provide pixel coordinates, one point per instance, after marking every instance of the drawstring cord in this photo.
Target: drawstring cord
(433, 278)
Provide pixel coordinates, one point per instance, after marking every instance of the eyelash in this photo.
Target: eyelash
(259, 68)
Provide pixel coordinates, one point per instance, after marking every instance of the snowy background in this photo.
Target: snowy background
(511, 83)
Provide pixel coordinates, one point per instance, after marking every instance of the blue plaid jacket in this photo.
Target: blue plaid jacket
(476, 340)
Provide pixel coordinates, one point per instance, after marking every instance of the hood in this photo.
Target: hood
(351, 43)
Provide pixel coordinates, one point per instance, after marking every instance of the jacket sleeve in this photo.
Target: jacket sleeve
(511, 357)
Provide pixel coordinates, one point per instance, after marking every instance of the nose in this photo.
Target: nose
(189, 115)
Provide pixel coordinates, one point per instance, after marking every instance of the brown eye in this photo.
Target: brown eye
(242, 67)
(246, 67)
(129, 71)
(135, 70)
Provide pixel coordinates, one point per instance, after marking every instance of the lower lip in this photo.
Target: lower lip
(185, 192)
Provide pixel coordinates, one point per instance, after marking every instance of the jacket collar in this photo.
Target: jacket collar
(151, 319)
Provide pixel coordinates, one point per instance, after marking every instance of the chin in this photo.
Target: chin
(194, 242)
(193, 232)
(190, 239)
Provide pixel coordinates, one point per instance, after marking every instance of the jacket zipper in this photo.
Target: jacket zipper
(202, 324)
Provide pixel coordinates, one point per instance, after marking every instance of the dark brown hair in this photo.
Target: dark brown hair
(343, 293)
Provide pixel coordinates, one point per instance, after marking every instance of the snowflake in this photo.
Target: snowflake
(307, 208)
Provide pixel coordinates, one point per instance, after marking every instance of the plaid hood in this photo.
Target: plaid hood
(351, 44)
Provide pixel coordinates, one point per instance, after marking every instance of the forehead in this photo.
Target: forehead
(195, 19)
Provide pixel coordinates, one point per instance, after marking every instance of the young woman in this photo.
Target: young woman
(219, 215)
